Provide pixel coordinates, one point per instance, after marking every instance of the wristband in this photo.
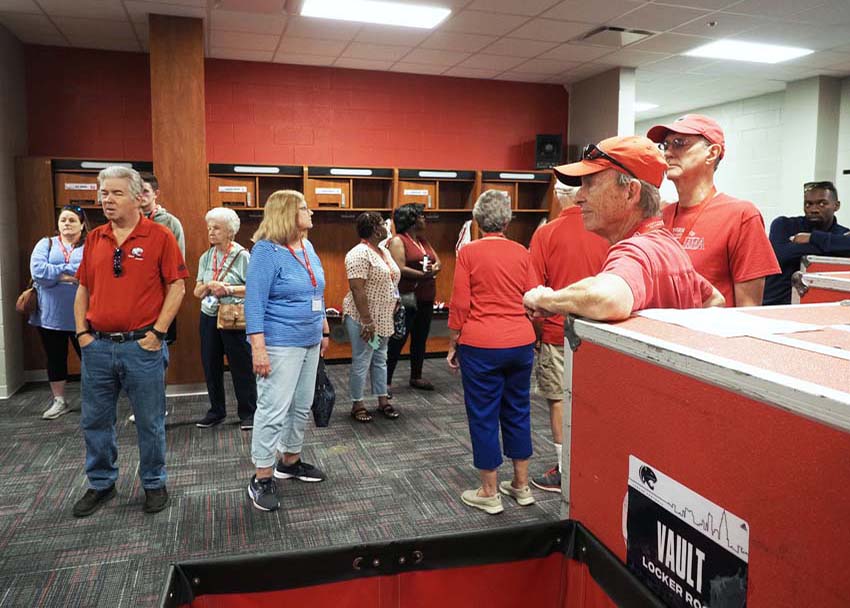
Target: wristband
(159, 334)
(83, 333)
(324, 335)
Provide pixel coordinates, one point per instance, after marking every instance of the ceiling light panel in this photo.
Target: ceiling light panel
(373, 11)
(740, 50)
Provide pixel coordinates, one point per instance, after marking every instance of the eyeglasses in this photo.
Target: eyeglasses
(592, 152)
(116, 262)
(677, 143)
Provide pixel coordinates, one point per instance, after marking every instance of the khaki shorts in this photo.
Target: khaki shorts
(549, 371)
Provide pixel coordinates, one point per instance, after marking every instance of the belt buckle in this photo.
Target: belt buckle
(118, 337)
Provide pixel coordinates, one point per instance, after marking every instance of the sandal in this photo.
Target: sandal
(361, 415)
(388, 411)
(422, 385)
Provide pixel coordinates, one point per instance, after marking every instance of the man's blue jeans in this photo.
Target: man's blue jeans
(107, 368)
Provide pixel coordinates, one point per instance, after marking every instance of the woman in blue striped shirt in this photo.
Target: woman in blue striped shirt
(286, 326)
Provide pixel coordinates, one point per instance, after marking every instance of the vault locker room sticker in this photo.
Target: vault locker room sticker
(688, 550)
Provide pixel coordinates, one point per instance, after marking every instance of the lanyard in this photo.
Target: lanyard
(153, 211)
(305, 263)
(217, 268)
(66, 253)
(380, 255)
(416, 242)
(702, 206)
(649, 225)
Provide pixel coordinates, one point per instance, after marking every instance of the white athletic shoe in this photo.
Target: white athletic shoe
(56, 409)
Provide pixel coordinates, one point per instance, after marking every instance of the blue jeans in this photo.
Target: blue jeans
(363, 359)
(284, 399)
(107, 367)
(496, 391)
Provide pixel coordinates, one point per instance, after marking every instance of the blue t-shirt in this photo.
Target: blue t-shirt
(55, 298)
(280, 299)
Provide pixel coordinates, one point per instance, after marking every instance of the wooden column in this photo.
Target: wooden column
(180, 161)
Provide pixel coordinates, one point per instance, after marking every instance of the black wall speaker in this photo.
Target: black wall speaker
(549, 151)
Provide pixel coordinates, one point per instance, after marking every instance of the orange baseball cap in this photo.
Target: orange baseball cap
(691, 124)
(631, 155)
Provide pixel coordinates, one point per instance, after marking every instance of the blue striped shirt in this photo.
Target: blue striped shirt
(279, 295)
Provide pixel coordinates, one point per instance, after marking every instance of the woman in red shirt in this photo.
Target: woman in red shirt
(492, 342)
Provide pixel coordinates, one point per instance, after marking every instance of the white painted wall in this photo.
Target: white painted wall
(13, 142)
(842, 182)
(600, 106)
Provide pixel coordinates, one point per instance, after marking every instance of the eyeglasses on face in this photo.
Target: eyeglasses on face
(678, 143)
(117, 270)
(592, 152)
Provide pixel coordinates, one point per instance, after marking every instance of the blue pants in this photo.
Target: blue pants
(107, 368)
(365, 359)
(496, 391)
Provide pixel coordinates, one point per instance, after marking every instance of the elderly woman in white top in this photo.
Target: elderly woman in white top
(368, 311)
(221, 280)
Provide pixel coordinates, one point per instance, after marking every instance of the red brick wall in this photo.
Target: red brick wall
(96, 104)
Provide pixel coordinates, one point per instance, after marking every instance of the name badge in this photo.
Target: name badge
(211, 300)
(396, 294)
(317, 305)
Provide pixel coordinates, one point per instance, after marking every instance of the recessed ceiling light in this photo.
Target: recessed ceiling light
(373, 11)
(643, 106)
(738, 50)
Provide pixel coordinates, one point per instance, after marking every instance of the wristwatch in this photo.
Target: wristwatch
(159, 334)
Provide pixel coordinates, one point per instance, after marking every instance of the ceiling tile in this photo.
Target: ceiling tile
(111, 44)
(417, 68)
(93, 9)
(81, 31)
(33, 29)
(631, 58)
(362, 64)
(19, 6)
(834, 12)
(670, 43)
(712, 5)
(139, 10)
(435, 57)
(679, 64)
(585, 70)
(311, 46)
(251, 23)
(478, 22)
(493, 62)
(514, 7)
(774, 8)
(451, 41)
(465, 72)
(517, 47)
(240, 54)
(592, 12)
(310, 27)
(821, 59)
(302, 59)
(523, 77)
(576, 52)
(815, 37)
(658, 18)
(551, 30)
(545, 66)
(375, 52)
(725, 24)
(269, 7)
(398, 36)
(239, 40)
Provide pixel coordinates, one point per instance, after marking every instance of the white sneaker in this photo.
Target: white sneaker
(523, 496)
(132, 417)
(488, 504)
(56, 409)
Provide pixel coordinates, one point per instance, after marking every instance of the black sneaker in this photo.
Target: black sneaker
(550, 481)
(247, 424)
(302, 471)
(209, 420)
(92, 500)
(263, 493)
(155, 500)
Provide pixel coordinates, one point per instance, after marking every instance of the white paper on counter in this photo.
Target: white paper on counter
(725, 322)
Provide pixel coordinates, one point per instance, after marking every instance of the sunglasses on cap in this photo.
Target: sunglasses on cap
(592, 152)
(818, 186)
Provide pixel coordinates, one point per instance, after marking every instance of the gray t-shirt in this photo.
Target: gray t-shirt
(236, 264)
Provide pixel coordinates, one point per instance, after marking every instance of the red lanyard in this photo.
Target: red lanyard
(416, 242)
(305, 263)
(380, 255)
(648, 225)
(153, 211)
(216, 267)
(702, 206)
(65, 252)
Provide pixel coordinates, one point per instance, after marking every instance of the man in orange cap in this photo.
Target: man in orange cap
(724, 236)
(645, 267)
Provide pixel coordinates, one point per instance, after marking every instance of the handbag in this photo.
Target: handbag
(231, 316)
(399, 323)
(408, 300)
(27, 302)
(324, 398)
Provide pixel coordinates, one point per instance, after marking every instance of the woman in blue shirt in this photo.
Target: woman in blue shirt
(286, 326)
(53, 266)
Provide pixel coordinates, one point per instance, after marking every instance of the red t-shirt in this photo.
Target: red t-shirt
(727, 243)
(563, 252)
(657, 270)
(491, 276)
(150, 261)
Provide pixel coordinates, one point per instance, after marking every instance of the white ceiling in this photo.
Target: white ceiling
(520, 40)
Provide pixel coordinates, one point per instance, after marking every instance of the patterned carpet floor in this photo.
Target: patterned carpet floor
(387, 480)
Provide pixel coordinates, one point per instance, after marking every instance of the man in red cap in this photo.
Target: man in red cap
(724, 236)
(645, 267)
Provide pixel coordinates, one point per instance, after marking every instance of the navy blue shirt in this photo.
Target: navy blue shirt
(777, 288)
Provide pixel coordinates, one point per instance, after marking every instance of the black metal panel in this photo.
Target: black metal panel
(494, 176)
(415, 174)
(71, 164)
(284, 170)
(326, 172)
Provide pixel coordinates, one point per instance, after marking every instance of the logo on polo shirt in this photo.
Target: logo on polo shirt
(137, 253)
(691, 242)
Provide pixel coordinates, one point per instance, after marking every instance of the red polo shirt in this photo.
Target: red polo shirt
(150, 261)
(657, 269)
(563, 252)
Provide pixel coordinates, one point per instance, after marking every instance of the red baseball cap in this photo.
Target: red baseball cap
(632, 155)
(691, 124)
